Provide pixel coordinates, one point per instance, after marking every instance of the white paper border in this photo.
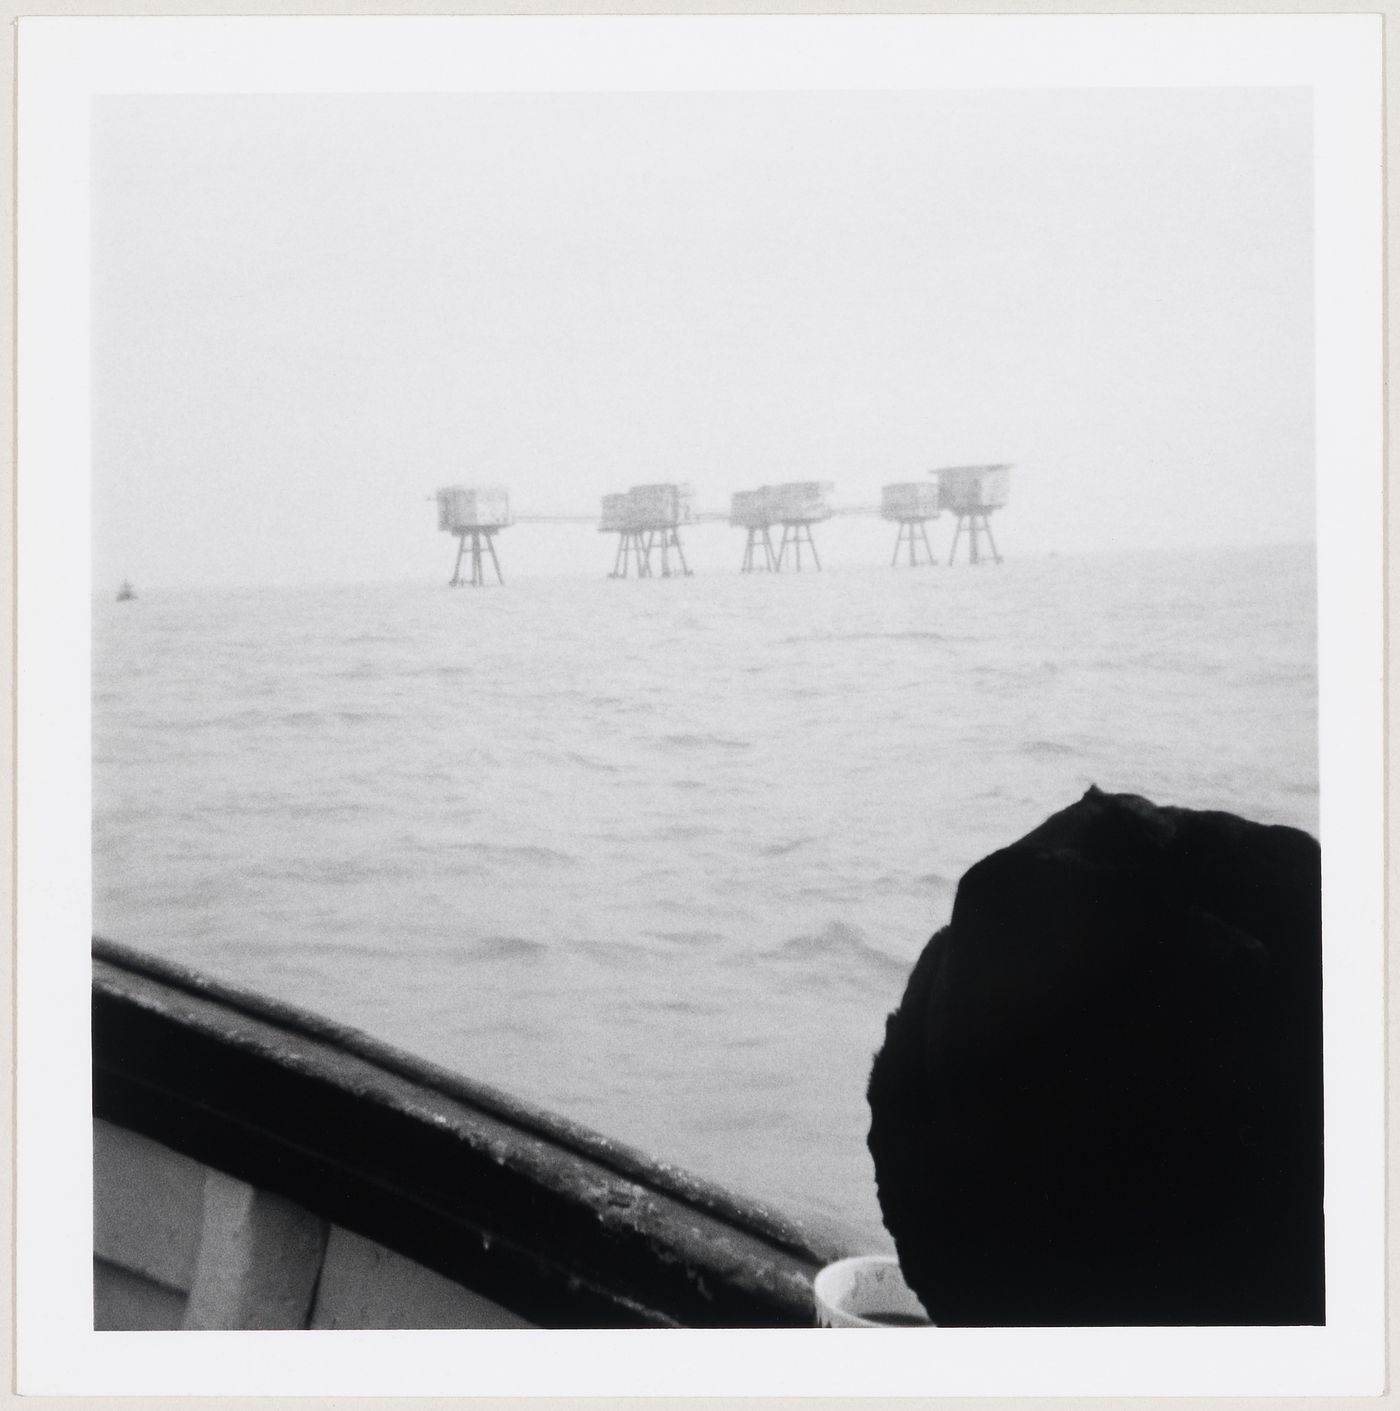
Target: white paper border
(63, 63)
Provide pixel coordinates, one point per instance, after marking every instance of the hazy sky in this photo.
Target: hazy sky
(310, 312)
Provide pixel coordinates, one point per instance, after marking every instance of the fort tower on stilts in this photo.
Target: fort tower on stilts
(647, 521)
(911, 506)
(750, 510)
(973, 492)
(474, 515)
(797, 506)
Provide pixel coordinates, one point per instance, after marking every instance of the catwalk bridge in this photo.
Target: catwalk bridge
(647, 520)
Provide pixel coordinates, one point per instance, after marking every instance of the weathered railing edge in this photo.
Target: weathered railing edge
(623, 1159)
(249, 1023)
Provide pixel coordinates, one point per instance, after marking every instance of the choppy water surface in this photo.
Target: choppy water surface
(659, 855)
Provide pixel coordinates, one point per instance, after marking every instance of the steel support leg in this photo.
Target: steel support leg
(987, 525)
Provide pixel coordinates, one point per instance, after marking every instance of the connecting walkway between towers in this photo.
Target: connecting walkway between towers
(648, 519)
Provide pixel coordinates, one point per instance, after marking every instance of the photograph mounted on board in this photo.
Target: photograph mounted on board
(731, 698)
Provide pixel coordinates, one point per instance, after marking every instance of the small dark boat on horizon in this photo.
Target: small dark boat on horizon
(126, 593)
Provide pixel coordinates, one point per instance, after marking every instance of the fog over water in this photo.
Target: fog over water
(659, 855)
(311, 311)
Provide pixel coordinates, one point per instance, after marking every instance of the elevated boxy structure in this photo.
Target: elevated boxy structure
(647, 518)
(911, 505)
(617, 519)
(972, 492)
(752, 510)
(797, 506)
(474, 513)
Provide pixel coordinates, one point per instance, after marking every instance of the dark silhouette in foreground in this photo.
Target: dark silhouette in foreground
(1100, 1099)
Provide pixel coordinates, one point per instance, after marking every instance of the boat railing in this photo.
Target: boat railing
(556, 1223)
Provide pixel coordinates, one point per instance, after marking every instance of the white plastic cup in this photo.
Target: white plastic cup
(866, 1291)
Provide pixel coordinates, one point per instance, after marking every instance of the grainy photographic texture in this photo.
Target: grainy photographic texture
(642, 828)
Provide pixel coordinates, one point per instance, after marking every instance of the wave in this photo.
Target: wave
(524, 852)
(683, 832)
(292, 951)
(701, 741)
(300, 719)
(909, 884)
(936, 880)
(783, 849)
(509, 948)
(1305, 675)
(449, 950)
(910, 635)
(601, 765)
(679, 1004)
(1049, 747)
(844, 942)
(1023, 673)
(687, 938)
(237, 719)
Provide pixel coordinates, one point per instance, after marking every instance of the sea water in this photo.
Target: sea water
(659, 855)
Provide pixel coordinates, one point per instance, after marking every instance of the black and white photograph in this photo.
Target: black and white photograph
(727, 685)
